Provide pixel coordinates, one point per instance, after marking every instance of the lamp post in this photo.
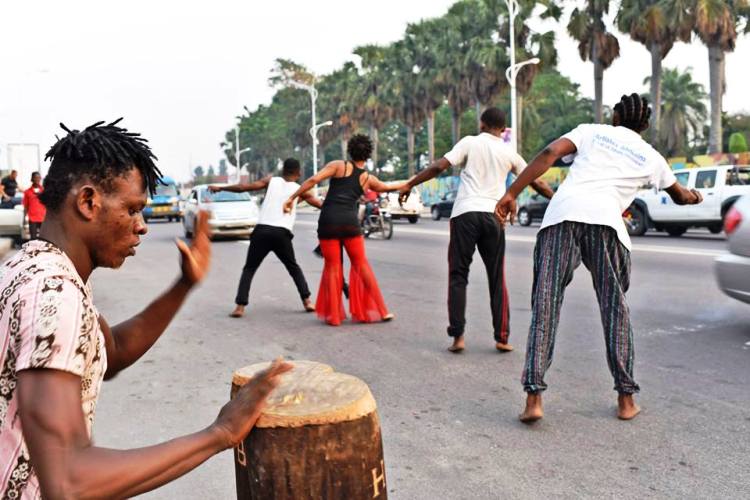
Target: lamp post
(237, 153)
(315, 126)
(512, 72)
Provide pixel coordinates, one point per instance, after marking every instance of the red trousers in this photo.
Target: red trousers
(365, 301)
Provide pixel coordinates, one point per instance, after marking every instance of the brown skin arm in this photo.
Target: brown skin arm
(436, 168)
(126, 342)
(326, 172)
(67, 464)
(241, 188)
(683, 196)
(379, 186)
(311, 199)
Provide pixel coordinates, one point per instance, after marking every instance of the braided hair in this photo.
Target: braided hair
(634, 112)
(99, 153)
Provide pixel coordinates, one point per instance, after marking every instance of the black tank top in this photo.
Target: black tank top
(338, 216)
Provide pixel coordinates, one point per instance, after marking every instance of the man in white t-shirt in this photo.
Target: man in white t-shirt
(583, 223)
(273, 233)
(486, 160)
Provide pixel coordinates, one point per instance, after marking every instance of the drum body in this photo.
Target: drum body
(318, 438)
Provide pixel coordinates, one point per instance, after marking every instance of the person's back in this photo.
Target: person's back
(272, 210)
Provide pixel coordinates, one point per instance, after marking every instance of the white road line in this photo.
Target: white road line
(532, 239)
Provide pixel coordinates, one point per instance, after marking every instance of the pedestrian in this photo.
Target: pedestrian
(10, 186)
(273, 233)
(339, 223)
(486, 160)
(34, 209)
(583, 223)
(57, 348)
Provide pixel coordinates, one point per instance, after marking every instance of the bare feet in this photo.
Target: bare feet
(238, 312)
(626, 407)
(503, 347)
(388, 317)
(533, 411)
(458, 345)
(308, 304)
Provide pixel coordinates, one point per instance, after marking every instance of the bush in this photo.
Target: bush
(737, 143)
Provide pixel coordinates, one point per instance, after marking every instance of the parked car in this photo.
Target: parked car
(230, 214)
(444, 207)
(733, 268)
(720, 186)
(165, 203)
(532, 210)
(12, 222)
(411, 210)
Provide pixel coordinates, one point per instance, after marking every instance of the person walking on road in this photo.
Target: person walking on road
(583, 223)
(339, 223)
(33, 208)
(486, 161)
(273, 233)
(57, 348)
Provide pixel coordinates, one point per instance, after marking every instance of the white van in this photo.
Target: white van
(411, 210)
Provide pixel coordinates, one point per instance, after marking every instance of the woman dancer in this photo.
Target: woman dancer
(338, 223)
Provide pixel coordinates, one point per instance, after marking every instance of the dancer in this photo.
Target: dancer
(339, 223)
(583, 223)
(273, 232)
(57, 348)
(488, 160)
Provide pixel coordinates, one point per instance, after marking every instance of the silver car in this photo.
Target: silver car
(230, 214)
(733, 268)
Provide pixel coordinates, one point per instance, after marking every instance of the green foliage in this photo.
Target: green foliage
(737, 143)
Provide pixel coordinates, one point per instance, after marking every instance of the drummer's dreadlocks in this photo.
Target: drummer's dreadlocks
(634, 112)
(99, 153)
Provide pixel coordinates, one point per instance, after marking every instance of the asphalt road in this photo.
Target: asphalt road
(449, 421)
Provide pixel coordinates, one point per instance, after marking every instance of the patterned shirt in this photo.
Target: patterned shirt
(47, 320)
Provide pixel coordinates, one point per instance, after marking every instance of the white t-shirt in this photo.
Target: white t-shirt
(487, 162)
(272, 211)
(610, 166)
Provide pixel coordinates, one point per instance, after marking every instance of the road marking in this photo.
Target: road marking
(532, 239)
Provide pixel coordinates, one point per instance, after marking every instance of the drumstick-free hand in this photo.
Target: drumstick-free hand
(238, 417)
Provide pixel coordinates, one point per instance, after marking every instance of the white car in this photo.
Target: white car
(411, 210)
(230, 214)
(720, 186)
(12, 222)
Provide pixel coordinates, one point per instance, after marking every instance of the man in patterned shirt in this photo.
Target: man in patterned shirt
(55, 348)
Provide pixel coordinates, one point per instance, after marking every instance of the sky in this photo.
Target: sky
(179, 73)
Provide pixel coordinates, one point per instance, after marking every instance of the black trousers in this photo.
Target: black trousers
(470, 231)
(267, 239)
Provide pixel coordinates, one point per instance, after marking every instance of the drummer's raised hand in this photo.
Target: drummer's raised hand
(196, 257)
(238, 417)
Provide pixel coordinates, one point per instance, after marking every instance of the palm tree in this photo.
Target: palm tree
(595, 44)
(653, 23)
(716, 24)
(375, 111)
(683, 110)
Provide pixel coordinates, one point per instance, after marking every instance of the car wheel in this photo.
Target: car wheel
(524, 218)
(676, 231)
(635, 221)
(413, 220)
(716, 229)
(435, 212)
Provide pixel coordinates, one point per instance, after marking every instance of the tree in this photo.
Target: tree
(595, 44)
(716, 24)
(198, 172)
(222, 167)
(375, 109)
(737, 143)
(683, 111)
(653, 24)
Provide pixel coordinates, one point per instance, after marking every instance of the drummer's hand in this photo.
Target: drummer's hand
(506, 209)
(196, 257)
(238, 416)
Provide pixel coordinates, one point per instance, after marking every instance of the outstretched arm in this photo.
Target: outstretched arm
(129, 340)
(436, 168)
(311, 199)
(683, 196)
(381, 187)
(241, 188)
(326, 172)
(67, 464)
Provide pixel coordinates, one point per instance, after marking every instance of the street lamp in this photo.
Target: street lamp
(315, 126)
(238, 152)
(512, 72)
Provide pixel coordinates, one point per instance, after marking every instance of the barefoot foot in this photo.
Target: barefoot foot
(238, 312)
(533, 411)
(458, 345)
(503, 347)
(308, 305)
(626, 407)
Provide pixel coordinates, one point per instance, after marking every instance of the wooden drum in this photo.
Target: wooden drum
(318, 438)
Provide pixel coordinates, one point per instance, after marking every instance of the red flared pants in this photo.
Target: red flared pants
(365, 301)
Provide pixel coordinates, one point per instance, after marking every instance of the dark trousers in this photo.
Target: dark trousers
(267, 239)
(34, 228)
(470, 231)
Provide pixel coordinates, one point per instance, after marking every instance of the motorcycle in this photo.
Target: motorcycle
(378, 223)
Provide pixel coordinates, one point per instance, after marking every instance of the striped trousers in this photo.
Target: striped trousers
(559, 250)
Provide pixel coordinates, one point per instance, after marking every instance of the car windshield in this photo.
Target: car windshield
(224, 196)
(168, 190)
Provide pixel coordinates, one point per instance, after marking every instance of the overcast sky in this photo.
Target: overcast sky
(180, 72)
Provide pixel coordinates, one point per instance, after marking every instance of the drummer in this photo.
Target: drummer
(59, 349)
